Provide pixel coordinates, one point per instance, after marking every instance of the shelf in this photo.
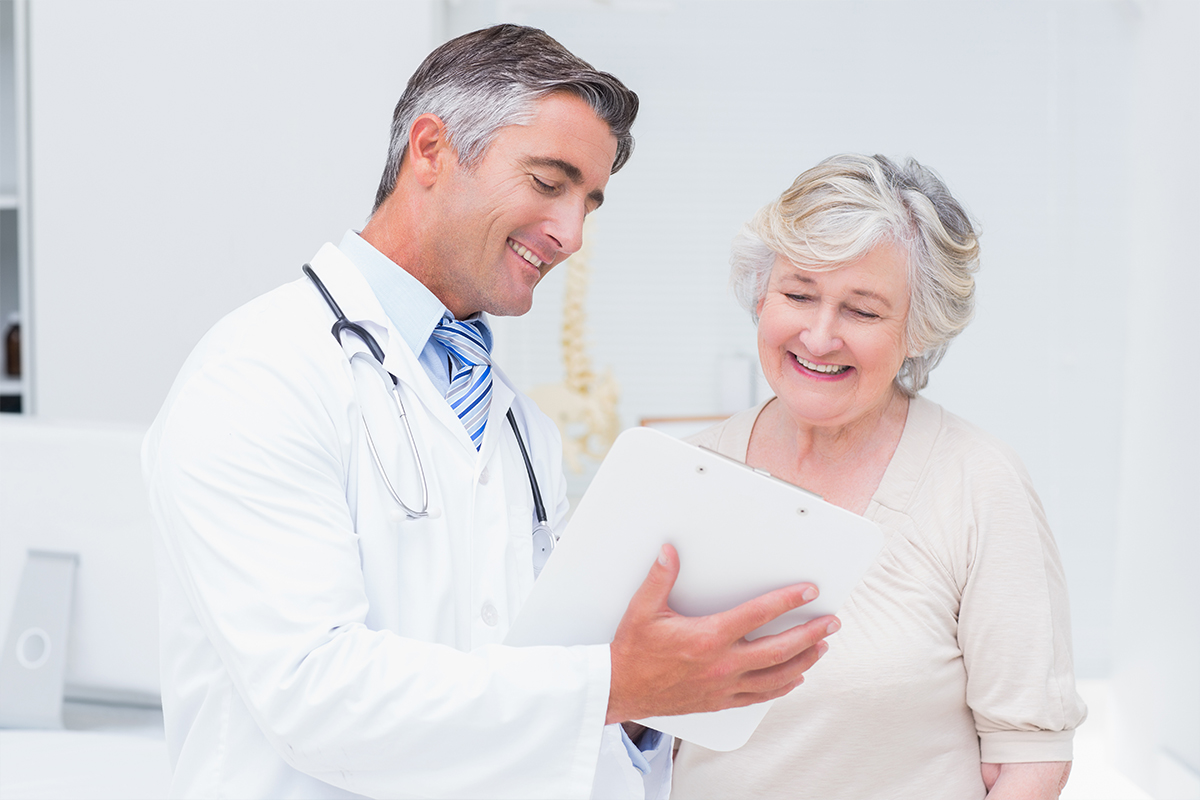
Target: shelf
(14, 221)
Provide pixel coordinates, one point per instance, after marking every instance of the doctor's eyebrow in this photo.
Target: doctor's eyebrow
(574, 174)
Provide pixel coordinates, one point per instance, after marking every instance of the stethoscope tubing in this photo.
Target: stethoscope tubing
(343, 324)
(538, 508)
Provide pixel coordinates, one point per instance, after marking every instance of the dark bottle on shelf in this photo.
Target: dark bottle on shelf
(12, 347)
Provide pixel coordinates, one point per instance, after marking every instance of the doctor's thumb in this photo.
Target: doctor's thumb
(661, 578)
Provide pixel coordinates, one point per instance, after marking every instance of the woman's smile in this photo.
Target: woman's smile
(822, 370)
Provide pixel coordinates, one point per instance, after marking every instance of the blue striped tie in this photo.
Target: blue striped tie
(470, 392)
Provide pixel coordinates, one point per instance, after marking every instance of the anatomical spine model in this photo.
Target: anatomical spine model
(583, 406)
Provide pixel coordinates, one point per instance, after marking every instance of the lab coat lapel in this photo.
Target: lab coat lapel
(497, 425)
(360, 305)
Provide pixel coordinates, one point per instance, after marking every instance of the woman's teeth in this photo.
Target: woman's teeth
(827, 369)
(524, 253)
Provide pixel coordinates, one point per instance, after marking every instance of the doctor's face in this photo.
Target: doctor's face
(519, 212)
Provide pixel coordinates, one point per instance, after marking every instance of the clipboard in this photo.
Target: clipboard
(739, 533)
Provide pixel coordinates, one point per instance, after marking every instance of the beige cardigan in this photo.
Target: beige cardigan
(957, 641)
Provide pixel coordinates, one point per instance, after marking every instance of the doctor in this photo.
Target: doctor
(347, 535)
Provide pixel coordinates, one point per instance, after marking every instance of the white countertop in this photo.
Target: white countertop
(104, 753)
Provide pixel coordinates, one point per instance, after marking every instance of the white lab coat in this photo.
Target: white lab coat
(316, 643)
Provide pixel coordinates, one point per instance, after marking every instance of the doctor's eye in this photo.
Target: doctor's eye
(542, 186)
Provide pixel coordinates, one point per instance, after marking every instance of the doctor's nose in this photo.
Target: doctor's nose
(565, 227)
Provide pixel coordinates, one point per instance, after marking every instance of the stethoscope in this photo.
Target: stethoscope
(543, 537)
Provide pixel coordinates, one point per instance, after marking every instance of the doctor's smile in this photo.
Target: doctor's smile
(525, 253)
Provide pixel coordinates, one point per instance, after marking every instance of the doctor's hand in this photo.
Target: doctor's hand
(664, 663)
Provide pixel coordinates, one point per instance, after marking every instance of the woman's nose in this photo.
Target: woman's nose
(822, 334)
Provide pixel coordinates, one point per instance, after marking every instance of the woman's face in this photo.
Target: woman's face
(831, 343)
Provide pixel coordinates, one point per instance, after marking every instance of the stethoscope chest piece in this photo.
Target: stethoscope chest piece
(543, 546)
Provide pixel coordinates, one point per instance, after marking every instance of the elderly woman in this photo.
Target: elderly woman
(952, 675)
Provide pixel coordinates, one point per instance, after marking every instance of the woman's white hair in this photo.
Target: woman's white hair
(844, 207)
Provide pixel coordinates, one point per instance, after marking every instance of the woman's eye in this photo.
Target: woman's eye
(798, 298)
(863, 314)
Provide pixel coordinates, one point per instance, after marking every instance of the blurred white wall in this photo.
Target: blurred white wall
(186, 157)
(189, 155)
(1156, 650)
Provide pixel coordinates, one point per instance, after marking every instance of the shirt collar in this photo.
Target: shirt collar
(413, 310)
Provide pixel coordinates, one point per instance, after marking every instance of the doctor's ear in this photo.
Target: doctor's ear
(429, 149)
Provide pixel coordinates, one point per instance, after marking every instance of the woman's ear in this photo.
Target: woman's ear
(428, 149)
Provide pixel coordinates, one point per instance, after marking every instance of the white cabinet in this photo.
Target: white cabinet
(14, 273)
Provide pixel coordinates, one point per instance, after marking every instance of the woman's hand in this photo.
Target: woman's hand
(1036, 780)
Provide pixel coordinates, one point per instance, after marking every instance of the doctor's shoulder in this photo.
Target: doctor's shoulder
(287, 323)
(277, 342)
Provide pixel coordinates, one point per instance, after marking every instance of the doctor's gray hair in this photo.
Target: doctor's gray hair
(844, 207)
(483, 81)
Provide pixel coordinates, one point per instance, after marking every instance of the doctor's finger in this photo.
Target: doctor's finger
(751, 698)
(651, 596)
(759, 686)
(795, 647)
(782, 677)
(753, 614)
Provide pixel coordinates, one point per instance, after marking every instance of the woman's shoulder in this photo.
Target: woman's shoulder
(944, 453)
(957, 439)
(952, 486)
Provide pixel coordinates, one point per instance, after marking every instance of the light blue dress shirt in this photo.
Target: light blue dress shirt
(413, 309)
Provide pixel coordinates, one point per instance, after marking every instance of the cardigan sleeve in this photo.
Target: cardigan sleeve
(1014, 619)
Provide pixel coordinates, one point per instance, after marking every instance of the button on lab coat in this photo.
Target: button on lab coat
(316, 643)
